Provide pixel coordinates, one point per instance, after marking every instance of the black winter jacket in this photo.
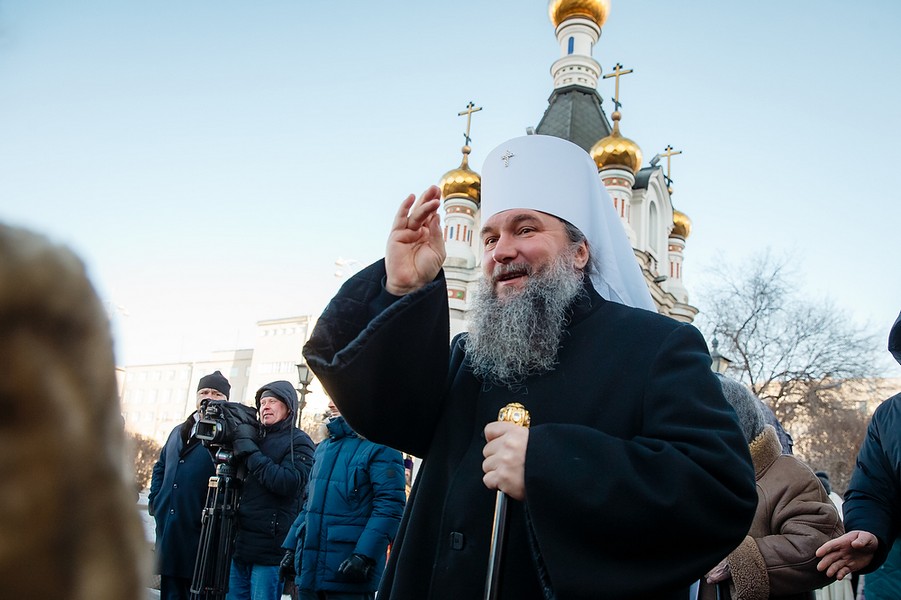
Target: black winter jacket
(638, 478)
(873, 498)
(273, 488)
(178, 492)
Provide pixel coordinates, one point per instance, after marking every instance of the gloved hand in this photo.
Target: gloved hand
(245, 443)
(286, 567)
(247, 431)
(357, 568)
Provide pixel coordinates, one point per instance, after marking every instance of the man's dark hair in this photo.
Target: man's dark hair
(576, 236)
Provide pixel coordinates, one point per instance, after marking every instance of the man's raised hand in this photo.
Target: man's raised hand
(415, 250)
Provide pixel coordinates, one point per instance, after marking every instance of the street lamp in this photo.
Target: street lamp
(305, 377)
(718, 362)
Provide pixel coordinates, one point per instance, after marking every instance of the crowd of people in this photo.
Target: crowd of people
(640, 473)
(643, 474)
(337, 513)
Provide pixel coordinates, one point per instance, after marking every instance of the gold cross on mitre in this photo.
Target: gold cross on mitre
(618, 72)
(470, 108)
(668, 153)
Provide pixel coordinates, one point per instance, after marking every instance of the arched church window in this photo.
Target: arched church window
(652, 227)
(572, 43)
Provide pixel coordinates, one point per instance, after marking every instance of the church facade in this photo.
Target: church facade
(641, 194)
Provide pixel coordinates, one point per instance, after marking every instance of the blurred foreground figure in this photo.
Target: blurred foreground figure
(69, 526)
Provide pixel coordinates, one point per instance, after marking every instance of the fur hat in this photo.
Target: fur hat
(746, 406)
(215, 381)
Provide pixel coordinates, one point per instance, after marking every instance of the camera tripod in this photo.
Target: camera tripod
(217, 532)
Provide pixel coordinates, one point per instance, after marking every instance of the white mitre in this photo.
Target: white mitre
(554, 176)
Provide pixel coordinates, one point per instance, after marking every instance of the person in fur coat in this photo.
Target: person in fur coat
(777, 559)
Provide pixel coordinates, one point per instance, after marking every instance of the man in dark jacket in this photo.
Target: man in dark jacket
(338, 544)
(872, 507)
(178, 490)
(634, 478)
(278, 457)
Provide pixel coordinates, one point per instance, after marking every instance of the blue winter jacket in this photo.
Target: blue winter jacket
(354, 505)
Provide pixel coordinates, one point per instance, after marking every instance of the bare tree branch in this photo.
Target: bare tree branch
(800, 355)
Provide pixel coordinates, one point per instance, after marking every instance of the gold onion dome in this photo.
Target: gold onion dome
(593, 10)
(462, 181)
(616, 150)
(681, 225)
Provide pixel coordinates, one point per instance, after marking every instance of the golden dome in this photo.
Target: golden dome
(593, 10)
(616, 150)
(462, 181)
(681, 225)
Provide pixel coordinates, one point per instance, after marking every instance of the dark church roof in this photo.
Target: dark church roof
(574, 113)
(643, 177)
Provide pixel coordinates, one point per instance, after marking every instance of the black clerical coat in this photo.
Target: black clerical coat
(638, 478)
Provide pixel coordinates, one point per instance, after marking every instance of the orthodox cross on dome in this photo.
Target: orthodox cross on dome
(668, 153)
(618, 72)
(470, 108)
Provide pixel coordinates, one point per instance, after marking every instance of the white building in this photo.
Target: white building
(155, 398)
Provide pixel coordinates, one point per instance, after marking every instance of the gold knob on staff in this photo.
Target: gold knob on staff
(515, 413)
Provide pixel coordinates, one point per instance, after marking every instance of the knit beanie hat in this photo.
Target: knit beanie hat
(746, 406)
(270, 394)
(215, 381)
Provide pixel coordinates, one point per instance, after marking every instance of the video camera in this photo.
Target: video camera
(219, 420)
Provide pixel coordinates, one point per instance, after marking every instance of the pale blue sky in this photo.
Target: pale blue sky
(210, 160)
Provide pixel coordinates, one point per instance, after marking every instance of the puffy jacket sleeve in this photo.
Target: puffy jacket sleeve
(874, 494)
(295, 533)
(290, 475)
(387, 476)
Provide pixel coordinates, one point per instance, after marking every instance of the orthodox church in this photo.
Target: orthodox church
(641, 195)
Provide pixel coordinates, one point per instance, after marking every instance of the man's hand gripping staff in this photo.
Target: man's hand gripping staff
(504, 466)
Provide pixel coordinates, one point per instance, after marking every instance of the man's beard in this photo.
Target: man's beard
(514, 337)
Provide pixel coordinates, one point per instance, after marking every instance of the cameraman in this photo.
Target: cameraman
(178, 491)
(278, 457)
